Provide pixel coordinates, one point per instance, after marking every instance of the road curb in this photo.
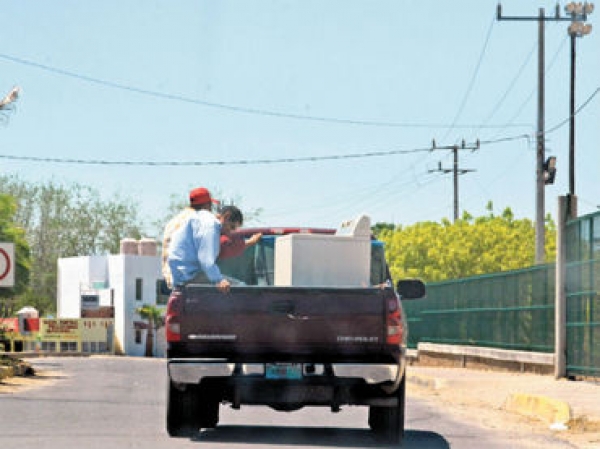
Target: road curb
(420, 380)
(556, 413)
(552, 411)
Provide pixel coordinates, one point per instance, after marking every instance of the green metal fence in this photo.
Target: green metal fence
(511, 310)
(515, 310)
(582, 293)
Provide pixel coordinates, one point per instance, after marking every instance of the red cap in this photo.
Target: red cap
(201, 195)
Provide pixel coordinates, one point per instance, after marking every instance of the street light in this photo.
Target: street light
(579, 9)
(578, 12)
(579, 29)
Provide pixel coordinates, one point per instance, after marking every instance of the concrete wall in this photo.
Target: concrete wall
(124, 271)
(75, 276)
(117, 276)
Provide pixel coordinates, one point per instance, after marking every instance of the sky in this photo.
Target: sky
(313, 112)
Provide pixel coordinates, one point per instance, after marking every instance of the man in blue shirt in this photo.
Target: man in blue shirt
(195, 245)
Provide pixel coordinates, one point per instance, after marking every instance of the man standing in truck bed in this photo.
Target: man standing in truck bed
(195, 245)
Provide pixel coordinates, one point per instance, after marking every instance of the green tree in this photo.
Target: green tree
(154, 316)
(471, 246)
(378, 228)
(65, 221)
(10, 232)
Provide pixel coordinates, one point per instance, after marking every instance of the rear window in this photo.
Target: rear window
(256, 266)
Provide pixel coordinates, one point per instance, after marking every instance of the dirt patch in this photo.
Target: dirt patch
(42, 378)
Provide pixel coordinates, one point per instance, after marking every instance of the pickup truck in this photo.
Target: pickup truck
(287, 347)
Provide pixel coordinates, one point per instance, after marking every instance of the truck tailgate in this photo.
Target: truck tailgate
(284, 320)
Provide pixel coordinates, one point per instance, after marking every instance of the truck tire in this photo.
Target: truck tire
(208, 412)
(182, 411)
(388, 422)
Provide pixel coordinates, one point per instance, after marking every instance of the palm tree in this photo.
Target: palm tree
(154, 316)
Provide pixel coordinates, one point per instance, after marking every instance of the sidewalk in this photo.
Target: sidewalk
(562, 404)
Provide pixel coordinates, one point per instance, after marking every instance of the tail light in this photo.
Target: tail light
(172, 319)
(395, 324)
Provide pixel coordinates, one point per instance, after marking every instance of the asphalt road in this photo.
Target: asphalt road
(114, 402)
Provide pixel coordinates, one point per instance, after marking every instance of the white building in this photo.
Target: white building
(121, 283)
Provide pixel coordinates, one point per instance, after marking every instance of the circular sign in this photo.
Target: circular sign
(4, 255)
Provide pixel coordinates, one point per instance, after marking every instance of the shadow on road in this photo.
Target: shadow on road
(315, 436)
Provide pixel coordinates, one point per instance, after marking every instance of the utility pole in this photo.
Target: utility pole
(578, 13)
(540, 230)
(454, 170)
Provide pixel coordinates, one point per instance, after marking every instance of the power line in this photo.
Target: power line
(527, 137)
(548, 131)
(229, 107)
(209, 163)
(471, 82)
(511, 86)
(583, 105)
(533, 91)
(506, 139)
(389, 192)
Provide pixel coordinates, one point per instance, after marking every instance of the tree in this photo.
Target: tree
(154, 316)
(65, 221)
(11, 232)
(378, 228)
(471, 246)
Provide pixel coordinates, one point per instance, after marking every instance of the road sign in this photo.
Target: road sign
(7, 264)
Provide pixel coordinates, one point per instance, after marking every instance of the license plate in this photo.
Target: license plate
(283, 371)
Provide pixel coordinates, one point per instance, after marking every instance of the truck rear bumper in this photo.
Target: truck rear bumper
(193, 371)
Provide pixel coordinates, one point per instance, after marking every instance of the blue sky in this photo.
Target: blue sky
(213, 84)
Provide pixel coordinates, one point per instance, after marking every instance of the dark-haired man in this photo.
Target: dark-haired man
(195, 243)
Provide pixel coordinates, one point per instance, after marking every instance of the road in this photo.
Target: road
(119, 402)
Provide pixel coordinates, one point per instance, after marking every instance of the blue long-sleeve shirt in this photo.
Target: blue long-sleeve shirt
(195, 247)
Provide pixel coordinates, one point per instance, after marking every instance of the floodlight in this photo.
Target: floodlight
(550, 170)
(574, 29)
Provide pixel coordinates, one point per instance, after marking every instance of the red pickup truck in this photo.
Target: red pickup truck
(288, 346)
